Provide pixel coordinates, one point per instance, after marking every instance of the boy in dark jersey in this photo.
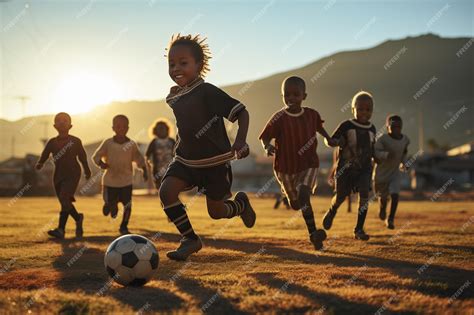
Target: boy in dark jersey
(66, 149)
(203, 150)
(356, 139)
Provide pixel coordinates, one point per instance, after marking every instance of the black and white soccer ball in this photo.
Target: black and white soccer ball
(131, 260)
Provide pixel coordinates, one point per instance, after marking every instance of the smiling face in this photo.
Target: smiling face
(182, 66)
(120, 126)
(363, 110)
(293, 95)
(62, 123)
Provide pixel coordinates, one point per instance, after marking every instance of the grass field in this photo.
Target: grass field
(426, 265)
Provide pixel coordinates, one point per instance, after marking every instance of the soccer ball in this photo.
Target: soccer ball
(131, 260)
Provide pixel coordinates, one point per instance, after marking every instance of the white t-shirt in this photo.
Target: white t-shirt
(387, 169)
(119, 157)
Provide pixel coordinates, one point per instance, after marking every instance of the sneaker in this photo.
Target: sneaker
(382, 214)
(361, 235)
(328, 218)
(124, 230)
(317, 239)
(389, 224)
(105, 210)
(248, 216)
(57, 233)
(79, 231)
(187, 247)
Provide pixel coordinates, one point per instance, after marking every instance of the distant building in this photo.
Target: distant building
(456, 166)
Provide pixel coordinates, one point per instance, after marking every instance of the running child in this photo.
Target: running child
(66, 150)
(203, 150)
(296, 163)
(356, 139)
(160, 150)
(391, 155)
(115, 155)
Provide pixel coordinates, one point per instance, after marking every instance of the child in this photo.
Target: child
(296, 162)
(66, 149)
(354, 168)
(160, 150)
(390, 150)
(115, 155)
(203, 150)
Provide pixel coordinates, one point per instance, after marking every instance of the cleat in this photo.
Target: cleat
(248, 216)
(361, 235)
(317, 239)
(328, 218)
(187, 247)
(57, 233)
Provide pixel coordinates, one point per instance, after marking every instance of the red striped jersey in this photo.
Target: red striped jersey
(295, 139)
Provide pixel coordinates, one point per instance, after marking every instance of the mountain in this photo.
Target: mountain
(426, 76)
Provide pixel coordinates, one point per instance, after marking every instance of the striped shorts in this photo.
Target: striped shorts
(290, 183)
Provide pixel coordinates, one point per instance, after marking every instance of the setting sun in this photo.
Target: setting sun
(82, 91)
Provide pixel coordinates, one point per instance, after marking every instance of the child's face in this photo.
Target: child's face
(293, 95)
(162, 131)
(120, 127)
(395, 127)
(182, 67)
(363, 111)
(62, 123)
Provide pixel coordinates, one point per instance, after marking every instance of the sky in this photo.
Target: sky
(74, 55)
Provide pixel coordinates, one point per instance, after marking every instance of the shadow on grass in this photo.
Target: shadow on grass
(209, 300)
(82, 268)
(434, 280)
(328, 303)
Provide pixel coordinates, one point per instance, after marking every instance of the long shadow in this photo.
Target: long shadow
(328, 303)
(446, 279)
(82, 268)
(210, 301)
(435, 280)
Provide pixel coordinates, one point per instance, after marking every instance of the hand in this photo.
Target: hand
(39, 166)
(270, 150)
(241, 149)
(103, 165)
(333, 142)
(88, 175)
(403, 168)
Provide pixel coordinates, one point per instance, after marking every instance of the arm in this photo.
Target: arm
(83, 159)
(99, 154)
(330, 142)
(240, 147)
(138, 158)
(267, 146)
(44, 155)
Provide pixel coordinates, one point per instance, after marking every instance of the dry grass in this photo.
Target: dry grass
(271, 268)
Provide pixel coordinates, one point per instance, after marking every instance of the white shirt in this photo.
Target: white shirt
(119, 157)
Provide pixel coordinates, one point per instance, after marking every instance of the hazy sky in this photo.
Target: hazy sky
(69, 55)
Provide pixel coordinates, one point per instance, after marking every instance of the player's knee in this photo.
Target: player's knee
(167, 195)
(214, 213)
(304, 194)
(295, 205)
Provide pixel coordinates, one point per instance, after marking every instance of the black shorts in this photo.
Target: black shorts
(114, 195)
(353, 180)
(66, 188)
(215, 182)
